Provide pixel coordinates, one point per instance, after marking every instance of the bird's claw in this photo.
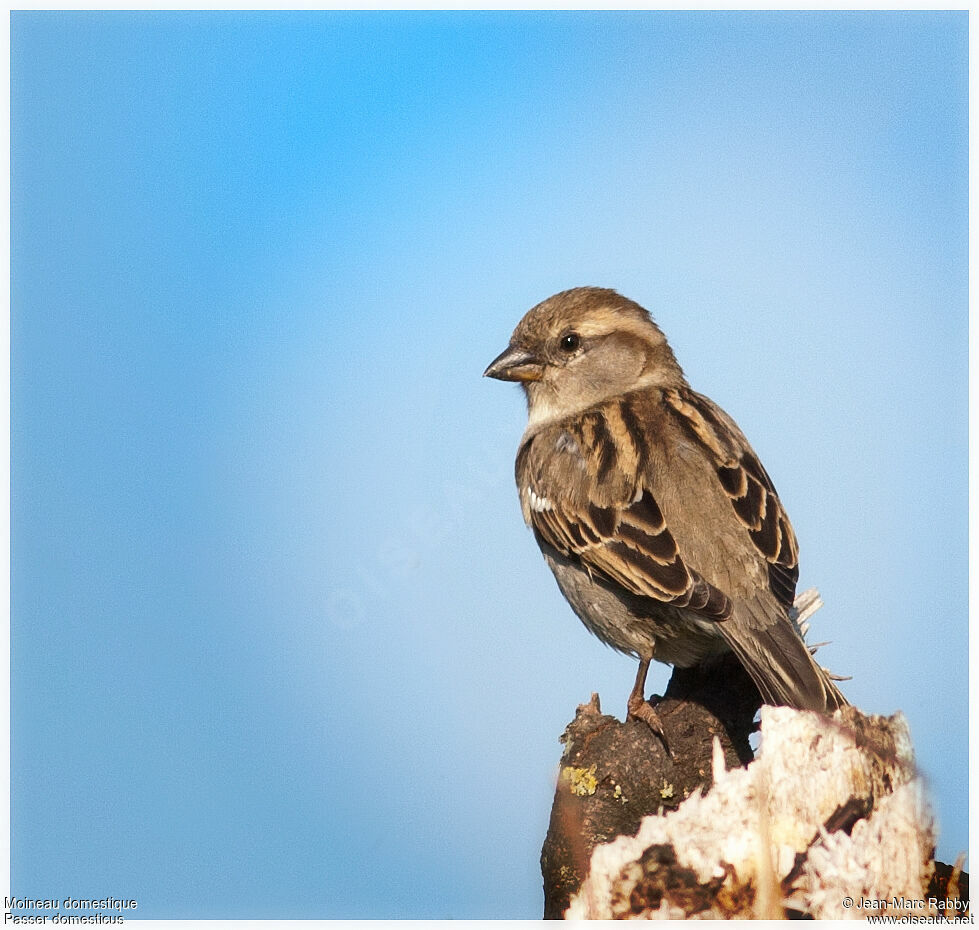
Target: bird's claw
(639, 709)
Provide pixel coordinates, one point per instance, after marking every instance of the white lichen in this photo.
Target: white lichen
(755, 821)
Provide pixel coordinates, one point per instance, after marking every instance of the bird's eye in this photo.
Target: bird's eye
(570, 342)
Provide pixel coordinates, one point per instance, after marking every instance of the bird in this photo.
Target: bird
(661, 526)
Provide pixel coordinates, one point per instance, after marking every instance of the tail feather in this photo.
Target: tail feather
(779, 662)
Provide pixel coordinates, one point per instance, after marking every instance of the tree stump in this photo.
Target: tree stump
(613, 774)
(830, 821)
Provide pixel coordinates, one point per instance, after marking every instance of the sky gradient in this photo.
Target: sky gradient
(277, 628)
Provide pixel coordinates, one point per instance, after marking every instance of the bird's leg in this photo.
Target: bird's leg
(638, 706)
(640, 709)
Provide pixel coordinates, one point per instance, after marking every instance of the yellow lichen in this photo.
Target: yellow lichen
(666, 791)
(580, 781)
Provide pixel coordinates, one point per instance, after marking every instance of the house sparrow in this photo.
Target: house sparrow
(662, 528)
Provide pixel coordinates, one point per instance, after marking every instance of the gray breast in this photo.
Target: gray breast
(638, 626)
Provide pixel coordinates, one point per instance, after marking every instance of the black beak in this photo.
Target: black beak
(515, 364)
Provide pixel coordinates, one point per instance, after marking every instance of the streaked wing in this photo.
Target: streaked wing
(765, 641)
(746, 483)
(582, 493)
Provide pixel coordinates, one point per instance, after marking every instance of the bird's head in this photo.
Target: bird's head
(581, 347)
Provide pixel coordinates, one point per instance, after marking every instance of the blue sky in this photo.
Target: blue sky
(276, 620)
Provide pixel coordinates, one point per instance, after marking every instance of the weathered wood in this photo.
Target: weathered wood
(613, 773)
(830, 821)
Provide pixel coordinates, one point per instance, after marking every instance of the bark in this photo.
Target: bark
(832, 809)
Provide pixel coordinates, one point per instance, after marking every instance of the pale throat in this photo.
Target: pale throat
(544, 406)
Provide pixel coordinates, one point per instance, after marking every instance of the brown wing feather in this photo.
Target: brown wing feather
(747, 484)
(615, 528)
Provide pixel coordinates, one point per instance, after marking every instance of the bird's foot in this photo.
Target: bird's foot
(641, 709)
